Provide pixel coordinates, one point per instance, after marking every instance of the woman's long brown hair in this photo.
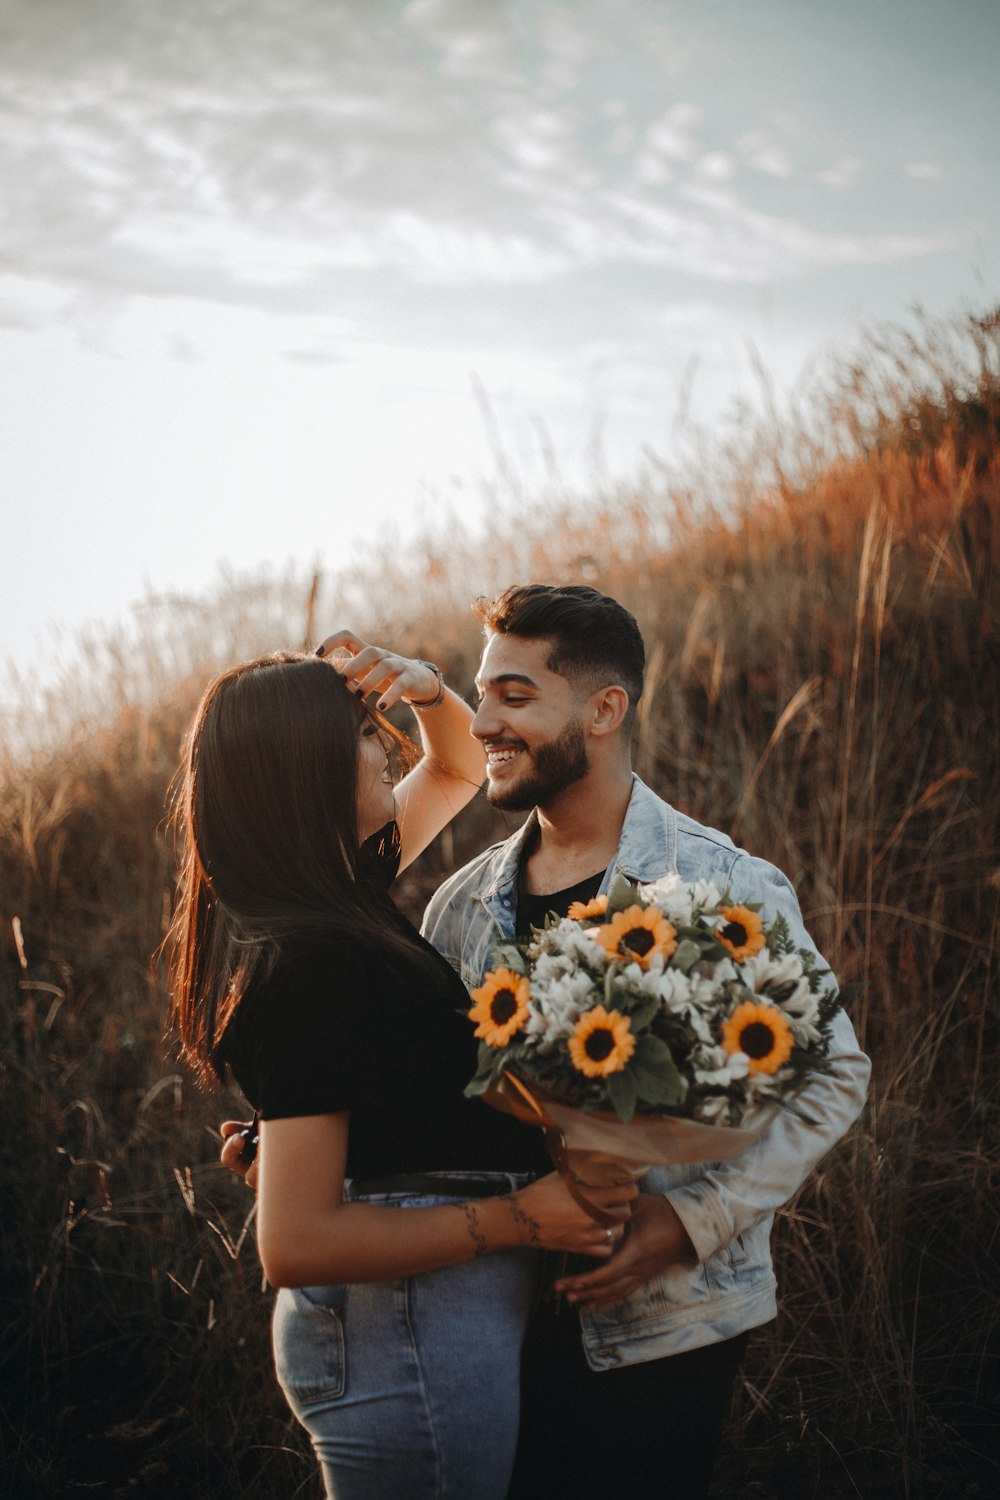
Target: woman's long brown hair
(265, 819)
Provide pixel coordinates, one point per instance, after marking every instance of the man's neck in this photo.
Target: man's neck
(578, 832)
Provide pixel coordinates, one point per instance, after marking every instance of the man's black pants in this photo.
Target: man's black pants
(647, 1431)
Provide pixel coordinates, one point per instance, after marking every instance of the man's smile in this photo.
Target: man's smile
(501, 755)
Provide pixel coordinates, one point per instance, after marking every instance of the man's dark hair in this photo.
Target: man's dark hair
(595, 641)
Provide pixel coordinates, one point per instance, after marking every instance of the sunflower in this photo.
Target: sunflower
(501, 1008)
(638, 933)
(742, 932)
(762, 1033)
(602, 1042)
(580, 910)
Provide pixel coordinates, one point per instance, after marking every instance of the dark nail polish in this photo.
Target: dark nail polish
(320, 650)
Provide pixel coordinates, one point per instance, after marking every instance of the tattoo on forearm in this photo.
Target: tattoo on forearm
(531, 1226)
(476, 1234)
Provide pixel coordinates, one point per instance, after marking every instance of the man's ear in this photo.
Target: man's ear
(608, 710)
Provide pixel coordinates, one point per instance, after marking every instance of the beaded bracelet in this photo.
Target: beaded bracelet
(438, 696)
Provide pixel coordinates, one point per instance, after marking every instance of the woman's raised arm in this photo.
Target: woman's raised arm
(454, 764)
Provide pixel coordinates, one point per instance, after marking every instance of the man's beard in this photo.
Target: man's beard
(556, 765)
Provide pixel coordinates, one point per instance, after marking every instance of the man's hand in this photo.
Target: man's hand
(231, 1155)
(655, 1241)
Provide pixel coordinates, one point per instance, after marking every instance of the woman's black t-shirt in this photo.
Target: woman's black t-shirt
(339, 1025)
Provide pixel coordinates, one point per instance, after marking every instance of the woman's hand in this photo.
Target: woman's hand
(549, 1217)
(232, 1156)
(454, 764)
(374, 669)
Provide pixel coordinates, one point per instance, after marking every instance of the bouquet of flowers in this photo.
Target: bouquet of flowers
(662, 1022)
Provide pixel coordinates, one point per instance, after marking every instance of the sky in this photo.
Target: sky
(278, 276)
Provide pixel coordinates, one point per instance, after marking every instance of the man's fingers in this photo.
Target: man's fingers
(605, 1284)
(612, 1292)
(603, 1276)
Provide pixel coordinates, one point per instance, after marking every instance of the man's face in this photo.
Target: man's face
(529, 721)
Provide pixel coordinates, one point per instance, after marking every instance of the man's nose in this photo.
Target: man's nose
(484, 723)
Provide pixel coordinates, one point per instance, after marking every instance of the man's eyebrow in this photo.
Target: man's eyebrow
(503, 678)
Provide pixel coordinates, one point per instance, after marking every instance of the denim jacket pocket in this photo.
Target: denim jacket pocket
(657, 1301)
(309, 1344)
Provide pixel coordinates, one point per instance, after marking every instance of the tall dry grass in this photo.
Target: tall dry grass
(820, 601)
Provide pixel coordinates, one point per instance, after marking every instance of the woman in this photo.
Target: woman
(396, 1336)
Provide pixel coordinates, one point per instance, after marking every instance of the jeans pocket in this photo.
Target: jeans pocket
(308, 1334)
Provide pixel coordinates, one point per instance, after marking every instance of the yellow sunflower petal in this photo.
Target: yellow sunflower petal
(760, 1031)
(602, 1042)
(502, 1003)
(580, 910)
(742, 932)
(636, 934)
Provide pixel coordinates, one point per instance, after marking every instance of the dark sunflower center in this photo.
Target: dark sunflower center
(757, 1040)
(599, 1044)
(735, 933)
(639, 940)
(502, 1006)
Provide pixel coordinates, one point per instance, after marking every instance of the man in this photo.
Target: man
(637, 1403)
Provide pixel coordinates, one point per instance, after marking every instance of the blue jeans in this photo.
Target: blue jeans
(410, 1389)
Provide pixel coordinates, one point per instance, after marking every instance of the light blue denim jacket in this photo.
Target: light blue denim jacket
(727, 1208)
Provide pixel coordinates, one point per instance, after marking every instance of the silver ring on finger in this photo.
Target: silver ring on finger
(610, 1234)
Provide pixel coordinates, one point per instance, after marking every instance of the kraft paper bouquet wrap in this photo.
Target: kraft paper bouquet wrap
(660, 1024)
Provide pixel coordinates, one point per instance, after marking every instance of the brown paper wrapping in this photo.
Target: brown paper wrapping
(594, 1148)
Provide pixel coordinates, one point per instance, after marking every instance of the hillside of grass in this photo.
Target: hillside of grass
(820, 600)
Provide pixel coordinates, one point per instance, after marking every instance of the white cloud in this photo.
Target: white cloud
(715, 166)
(357, 160)
(843, 174)
(568, 43)
(538, 140)
(673, 135)
(475, 44)
(622, 138)
(763, 154)
(650, 170)
(922, 169)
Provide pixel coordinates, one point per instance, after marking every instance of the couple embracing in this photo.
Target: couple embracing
(401, 1220)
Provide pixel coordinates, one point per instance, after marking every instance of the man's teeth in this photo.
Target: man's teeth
(498, 757)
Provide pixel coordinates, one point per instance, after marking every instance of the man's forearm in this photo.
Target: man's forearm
(730, 1197)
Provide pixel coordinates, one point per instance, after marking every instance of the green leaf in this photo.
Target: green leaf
(645, 1010)
(779, 938)
(656, 1090)
(661, 1080)
(621, 895)
(653, 1052)
(507, 956)
(623, 1094)
(687, 955)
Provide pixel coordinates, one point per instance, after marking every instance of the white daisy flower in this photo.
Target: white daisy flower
(672, 896)
(783, 981)
(705, 895)
(718, 1068)
(714, 1110)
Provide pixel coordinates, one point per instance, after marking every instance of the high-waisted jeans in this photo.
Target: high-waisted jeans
(410, 1389)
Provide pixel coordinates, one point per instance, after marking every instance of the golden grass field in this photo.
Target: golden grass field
(821, 603)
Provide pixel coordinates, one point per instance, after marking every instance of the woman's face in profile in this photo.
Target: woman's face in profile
(376, 803)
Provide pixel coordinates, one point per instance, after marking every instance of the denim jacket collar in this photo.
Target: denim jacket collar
(647, 850)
